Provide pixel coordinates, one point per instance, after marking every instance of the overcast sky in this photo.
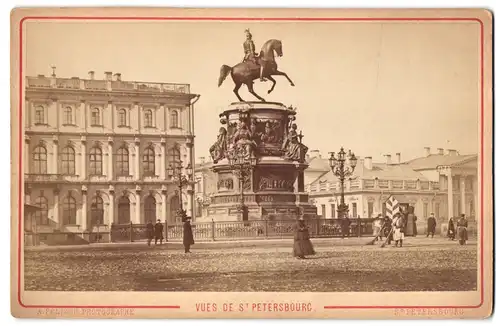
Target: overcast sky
(375, 88)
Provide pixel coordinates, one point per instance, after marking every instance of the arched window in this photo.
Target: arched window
(174, 206)
(69, 210)
(95, 157)
(148, 161)
(150, 209)
(40, 160)
(95, 117)
(68, 160)
(174, 119)
(68, 116)
(148, 118)
(123, 210)
(41, 215)
(122, 161)
(97, 210)
(39, 115)
(174, 156)
(122, 118)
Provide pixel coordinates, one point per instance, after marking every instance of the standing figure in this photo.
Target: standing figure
(377, 227)
(250, 54)
(149, 232)
(158, 232)
(413, 220)
(242, 139)
(462, 225)
(398, 225)
(187, 237)
(451, 229)
(346, 227)
(302, 245)
(431, 225)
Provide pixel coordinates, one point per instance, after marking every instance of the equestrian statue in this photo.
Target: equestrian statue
(260, 66)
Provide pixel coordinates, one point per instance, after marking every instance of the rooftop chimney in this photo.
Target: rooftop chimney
(452, 152)
(368, 162)
(387, 159)
(118, 76)
(108, 75)
(427, 151)
(440, 151)
(398, 158)
(91, 74)
(314, 153)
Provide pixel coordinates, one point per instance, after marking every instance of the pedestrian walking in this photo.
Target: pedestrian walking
(398, 225)
(387, 225)
(302, 245)
(149, 232)
(187, 237)
(431, 225)
(451, 229)
(377, 227)
(159, 232)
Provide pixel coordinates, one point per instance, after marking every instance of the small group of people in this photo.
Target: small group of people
(390, 229)
(156, 232)
(460, 230)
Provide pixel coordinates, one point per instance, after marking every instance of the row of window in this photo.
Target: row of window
(95, 117)
(69, 210)
(122, 164)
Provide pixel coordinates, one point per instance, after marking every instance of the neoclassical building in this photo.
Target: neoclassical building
(97, 151)
(441, 183)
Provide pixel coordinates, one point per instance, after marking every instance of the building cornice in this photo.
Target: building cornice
(105, 134)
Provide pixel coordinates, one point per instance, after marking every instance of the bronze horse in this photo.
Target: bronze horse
(247, 72)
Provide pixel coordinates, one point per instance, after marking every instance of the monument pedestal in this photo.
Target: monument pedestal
(273, 186)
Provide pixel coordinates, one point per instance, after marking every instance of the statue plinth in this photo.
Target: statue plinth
(273, 186)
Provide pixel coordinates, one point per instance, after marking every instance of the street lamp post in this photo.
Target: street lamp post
(175, 173)
(342, 166)
(241, 165)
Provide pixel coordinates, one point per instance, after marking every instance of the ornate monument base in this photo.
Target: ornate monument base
(270, 184)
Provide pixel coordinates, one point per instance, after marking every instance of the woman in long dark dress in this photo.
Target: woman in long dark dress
(451, 229)
(187, 238)
(302, 246)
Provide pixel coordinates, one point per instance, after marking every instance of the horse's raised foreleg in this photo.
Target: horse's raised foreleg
(274, 84)
(250, 89)
(235, 90)
(281, 73)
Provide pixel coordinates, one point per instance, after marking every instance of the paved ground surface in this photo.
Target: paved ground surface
(339, 265)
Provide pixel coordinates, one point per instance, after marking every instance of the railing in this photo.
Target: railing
(373, 184)
(257, 229)
(94, 84)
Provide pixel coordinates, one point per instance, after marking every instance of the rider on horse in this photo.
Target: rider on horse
(250, 55)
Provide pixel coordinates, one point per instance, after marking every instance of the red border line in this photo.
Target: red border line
(283, 19)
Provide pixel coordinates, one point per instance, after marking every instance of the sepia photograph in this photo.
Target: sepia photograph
(194, 156)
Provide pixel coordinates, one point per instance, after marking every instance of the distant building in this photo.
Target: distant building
(96, 151)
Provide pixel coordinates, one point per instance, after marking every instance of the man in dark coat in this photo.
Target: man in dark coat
(462, 225)
(346, 226)
(159, 232)
(149, 232)
(451, 229)
(431, 225)
(187, 238)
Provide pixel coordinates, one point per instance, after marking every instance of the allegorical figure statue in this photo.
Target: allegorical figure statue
(293, 148)
(219, 148)
(250, 54)
(243, 139)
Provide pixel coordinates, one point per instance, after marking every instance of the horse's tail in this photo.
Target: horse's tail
(224, 71)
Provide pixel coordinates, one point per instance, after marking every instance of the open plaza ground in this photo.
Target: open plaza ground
(340, 265)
